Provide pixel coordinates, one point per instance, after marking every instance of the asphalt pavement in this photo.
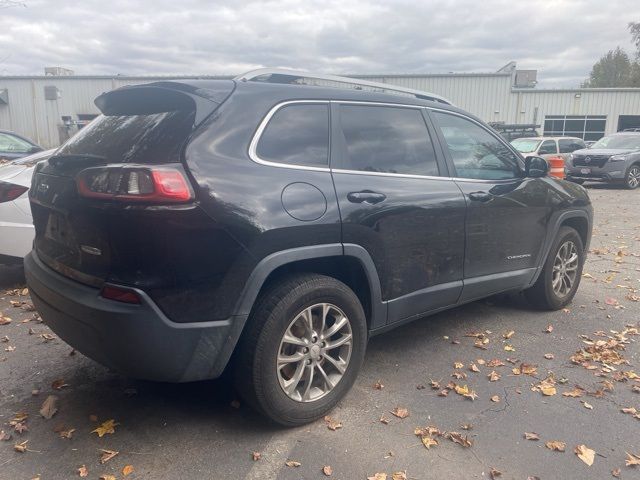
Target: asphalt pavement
(201, 431)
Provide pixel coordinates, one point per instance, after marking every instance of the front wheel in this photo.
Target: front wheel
(632, 179)
(302, 350)
(561, 273)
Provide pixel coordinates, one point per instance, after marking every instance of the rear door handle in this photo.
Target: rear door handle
(366, 196)
(480, 196)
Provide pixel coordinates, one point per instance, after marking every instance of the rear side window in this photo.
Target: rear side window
(547, 147)
(297, 134)
(568, 145)
(387, 139)
(147, 139)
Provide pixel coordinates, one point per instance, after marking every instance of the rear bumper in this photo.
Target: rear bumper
(136, 340)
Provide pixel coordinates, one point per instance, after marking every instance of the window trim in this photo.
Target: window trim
(452, 166)
(253, 145)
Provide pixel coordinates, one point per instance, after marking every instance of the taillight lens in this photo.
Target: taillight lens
(10, 191)
(119, 294)
(135, 183)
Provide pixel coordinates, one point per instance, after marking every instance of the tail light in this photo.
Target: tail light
(119, 294)
(135, 183)
(10, 191)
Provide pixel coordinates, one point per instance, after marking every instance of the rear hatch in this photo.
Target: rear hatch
(143, 130)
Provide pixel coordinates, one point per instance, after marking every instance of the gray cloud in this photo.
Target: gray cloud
(561, 38)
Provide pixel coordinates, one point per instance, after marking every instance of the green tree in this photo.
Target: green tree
(612, 70)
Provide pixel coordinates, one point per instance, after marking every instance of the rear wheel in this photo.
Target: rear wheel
(632, 179)
(561, 273)
(303, 348)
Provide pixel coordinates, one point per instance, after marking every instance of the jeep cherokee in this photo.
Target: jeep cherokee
(274, 226)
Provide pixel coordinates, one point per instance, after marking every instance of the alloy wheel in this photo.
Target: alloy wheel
(565, 269)
(633, 178)
(314, 352)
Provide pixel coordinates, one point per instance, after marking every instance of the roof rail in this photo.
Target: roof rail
(281, 75)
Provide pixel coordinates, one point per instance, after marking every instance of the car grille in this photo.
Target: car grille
(594, 160)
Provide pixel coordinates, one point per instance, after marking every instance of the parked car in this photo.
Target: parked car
(275, 227)
(614, 159)
(547, 147)
(14, 146)
(16, 226)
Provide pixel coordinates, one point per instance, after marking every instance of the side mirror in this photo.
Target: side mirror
(536, 167)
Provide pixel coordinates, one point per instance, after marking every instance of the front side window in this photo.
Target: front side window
(297, 134)
(475, 152)
(547, 147)
(387, 140)
(11, 144)
(568, 145)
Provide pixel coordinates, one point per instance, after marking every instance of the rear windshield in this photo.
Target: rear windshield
(618, 142)
(148, 139)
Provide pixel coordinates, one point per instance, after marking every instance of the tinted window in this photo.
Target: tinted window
(297, 135)
(548, 146)
(475, 152)
(568, 145)
(387, 139)
(150, 139)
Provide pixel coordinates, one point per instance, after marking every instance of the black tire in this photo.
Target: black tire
(632, 178)
(256, 373)
(542, 295)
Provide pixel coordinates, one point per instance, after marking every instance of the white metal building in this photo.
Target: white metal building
(49, 108)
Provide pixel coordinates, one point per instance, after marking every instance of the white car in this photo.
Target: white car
(16, 225)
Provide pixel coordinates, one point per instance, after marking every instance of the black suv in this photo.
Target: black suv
(274, 226)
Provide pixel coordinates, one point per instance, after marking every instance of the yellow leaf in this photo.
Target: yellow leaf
(400, 412)
(585, 454)
(106, 427)
(458, 365)
(378, 476)
(327, 470)
(632, 459)
(556, 445)
(399, 475)
(292, 463)
(106, 476)
(548, 390)
(495, 398)
(509, 348)
(509, 334)
(82, 471)
(127, 470)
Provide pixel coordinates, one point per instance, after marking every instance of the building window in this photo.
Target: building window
(587, 127)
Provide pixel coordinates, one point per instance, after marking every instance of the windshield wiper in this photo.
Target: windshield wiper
(69, 158)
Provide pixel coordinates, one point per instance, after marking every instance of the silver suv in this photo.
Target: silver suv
(614, 158)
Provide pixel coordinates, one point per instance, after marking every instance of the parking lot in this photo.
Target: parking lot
(517, 361)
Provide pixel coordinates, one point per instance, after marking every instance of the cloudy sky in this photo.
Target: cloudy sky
(560, 38)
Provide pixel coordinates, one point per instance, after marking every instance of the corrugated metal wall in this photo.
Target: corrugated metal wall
(489, 96)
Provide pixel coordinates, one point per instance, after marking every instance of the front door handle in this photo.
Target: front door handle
(366, 196)
(480, 196)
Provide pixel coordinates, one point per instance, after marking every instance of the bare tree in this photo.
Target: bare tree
(10, 3)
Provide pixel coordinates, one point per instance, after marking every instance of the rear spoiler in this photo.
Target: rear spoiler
(161, 97)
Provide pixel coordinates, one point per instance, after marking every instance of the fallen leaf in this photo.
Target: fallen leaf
(378, 476)
(66, 433)
(474, 368)
(494, 376)
(20, 427)
(611, 301)
(495, 398)
(508, 335)
(49, 407)
(384, 420)
(4, 320)
(21, 447)
(332, 424)
(429, 442)
(556, 445)
(493, 473)
(531, 436)
(509, 348)
(529, 369)
(585, 454)
(458, 365)
(327, 470)
(59, 384)
(107, 476)
(82, 471)
(549, 329)
(616, 472)
(127, 470)
(255, 456)
(399, 475)
(106, 427)
(107, 455)
(632, 460)
(400, 412)
(5, 437)
(549, 356)
(464, 441)
(378, 385)
(576, 392)
(587, 405)
(292, 463)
